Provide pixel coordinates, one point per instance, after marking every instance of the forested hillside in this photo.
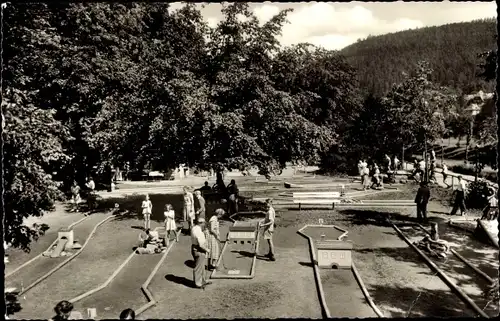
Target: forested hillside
(451, 51)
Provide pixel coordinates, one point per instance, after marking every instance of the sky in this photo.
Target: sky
(335, 25)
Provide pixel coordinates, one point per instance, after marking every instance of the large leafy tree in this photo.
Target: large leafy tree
(32, 140)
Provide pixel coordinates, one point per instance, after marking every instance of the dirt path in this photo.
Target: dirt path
(284, 288)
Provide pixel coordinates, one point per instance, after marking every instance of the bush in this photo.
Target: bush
(463, 169)
(469, 170)
(477, 195)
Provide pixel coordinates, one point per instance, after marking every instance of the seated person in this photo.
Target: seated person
(152, 237)
(205, 188)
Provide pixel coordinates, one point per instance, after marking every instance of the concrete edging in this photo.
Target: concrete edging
(368, 298)
(319, 285)
(106, 283)
(25, 264)
(149, 295)
(465, 298)
(357, 275)
(214, 274)
(477, 270)
(62, 264)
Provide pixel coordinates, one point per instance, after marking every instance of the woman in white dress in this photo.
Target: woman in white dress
(188, 207)
(147, 208)
(170, 226)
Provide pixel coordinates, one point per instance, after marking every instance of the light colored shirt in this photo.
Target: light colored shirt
(271, 214)
(169, 214)
(91, 185)
(445, 169)
(153, 236)
(421, 165)
(493, 201)
(461, 186)
(146, 207)
(197, 236)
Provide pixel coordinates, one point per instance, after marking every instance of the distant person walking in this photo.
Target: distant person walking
(199, 205)
(75, 196)
(233, 191)
(268, 225)
(170, 226)
(188, 207)
(387, 163)
(360, 170)
(365, 177)
(212, 234)
(91, 198)
(459, 197)
(376, 179)
(147, 209)
(199, 251)
(396, 163)
(422, 199)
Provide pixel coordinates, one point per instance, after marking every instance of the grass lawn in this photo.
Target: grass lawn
(397, 279)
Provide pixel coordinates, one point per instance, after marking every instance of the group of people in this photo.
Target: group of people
(423, 196)
(76, 198)
(64, 310)
(370, 175)
(206, 243)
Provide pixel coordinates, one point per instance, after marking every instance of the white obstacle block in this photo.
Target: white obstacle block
(69, 235)
(242, 234)
(92, 313)
(334, 254)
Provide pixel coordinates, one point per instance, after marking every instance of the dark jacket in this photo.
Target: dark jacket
(423, 195)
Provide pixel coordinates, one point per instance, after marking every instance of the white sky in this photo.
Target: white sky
(335, 25)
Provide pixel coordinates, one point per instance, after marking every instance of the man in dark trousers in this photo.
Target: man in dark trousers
(422, 198)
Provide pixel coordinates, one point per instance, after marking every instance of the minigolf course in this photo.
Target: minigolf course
(238, 256)
(340, 287)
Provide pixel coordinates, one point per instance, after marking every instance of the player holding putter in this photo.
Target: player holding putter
(268, 225)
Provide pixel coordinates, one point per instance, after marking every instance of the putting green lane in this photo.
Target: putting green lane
(107, 249)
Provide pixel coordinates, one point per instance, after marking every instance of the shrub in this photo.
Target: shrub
(477, 195)
(463, 169)
(491, 176)
(469, 170)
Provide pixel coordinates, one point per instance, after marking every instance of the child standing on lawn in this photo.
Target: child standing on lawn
(147, 208)
(268, 225)
(170, 226)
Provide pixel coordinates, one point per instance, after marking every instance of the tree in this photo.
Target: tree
(32, 141)
(417, 110)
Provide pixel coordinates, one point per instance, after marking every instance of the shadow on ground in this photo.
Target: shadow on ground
(180, 280)
(436, 303)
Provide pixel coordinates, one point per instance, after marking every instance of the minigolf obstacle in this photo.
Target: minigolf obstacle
(242, 237)
(334, 254)
(64, 243)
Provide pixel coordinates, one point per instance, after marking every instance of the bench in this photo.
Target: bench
(316, 198)
(380, 203)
